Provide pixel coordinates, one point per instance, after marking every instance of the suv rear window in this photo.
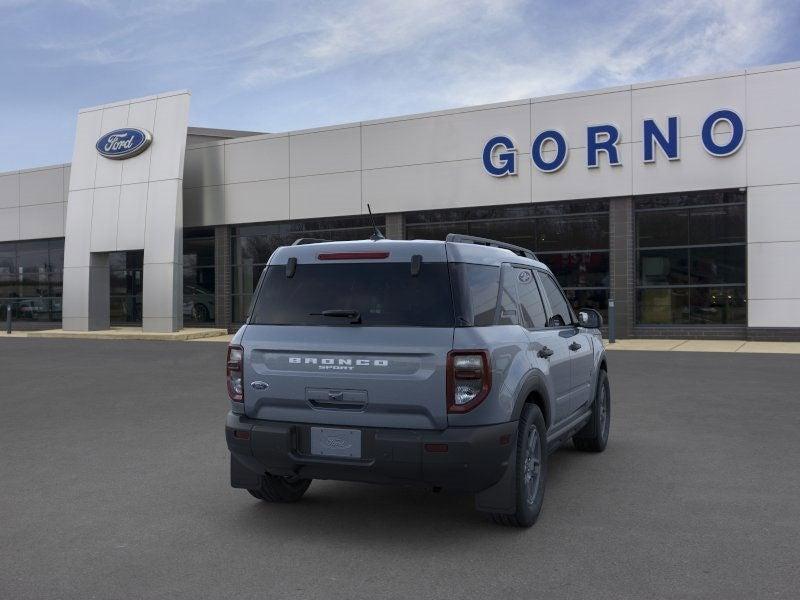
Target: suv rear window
(384, 295)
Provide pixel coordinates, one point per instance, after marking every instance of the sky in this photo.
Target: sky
(284, 65)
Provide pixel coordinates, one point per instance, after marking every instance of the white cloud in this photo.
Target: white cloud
(673, 40)
(454, 53)
(324, 39)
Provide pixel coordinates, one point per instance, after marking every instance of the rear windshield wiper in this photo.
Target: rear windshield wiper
(346, 313)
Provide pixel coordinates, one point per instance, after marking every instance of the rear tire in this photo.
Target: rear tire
(280, 489)
(531, 470)
(594, 435)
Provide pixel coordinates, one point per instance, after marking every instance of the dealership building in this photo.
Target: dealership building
(677, 200)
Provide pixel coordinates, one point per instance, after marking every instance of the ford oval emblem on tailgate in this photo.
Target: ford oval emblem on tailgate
(259, 385)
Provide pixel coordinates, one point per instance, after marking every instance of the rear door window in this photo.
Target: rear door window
(530, 300)
(560, 312)
(383, 294)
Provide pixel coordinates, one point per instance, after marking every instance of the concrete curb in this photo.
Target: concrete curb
(124, 333)
(222, 336)
(738, 346)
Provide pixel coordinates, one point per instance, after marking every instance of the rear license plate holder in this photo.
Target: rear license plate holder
(341, 443)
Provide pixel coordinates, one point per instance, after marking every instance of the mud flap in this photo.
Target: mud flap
(242, 476)
(502, 496)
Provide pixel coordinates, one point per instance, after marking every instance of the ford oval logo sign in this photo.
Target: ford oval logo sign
(123, 143)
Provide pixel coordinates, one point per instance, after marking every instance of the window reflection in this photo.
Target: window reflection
(691, 258)
(572, 238)
(31, 275)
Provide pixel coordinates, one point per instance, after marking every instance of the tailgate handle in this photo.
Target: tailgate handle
(337, 399)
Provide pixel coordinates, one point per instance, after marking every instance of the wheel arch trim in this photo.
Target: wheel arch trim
(534, 384)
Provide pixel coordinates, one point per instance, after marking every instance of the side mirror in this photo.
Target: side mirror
(590, 318)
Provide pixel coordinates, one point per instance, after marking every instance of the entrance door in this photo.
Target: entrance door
(126, 287)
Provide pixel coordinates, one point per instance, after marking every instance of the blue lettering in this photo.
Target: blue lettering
(607, 143)
(507, 158)
(561, 151)
(652, 135)
(736, 140)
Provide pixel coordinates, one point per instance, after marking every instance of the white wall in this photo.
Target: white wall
(773, 180)
(131, 204)
(33, 203)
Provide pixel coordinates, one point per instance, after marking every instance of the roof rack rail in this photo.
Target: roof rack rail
(304, 241)
(472, 239)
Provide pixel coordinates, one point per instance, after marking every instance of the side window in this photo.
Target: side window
(482, 283)
(507, 300)
(475, 289)
(530, 301)
(561, 313)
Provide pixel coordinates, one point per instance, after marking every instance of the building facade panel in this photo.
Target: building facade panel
(205, 166)
(9, 224)
(171, 118)
(256, 201)
(773, 156)
(773, 270)
(41, 221)
(696, 170)
(204, 206)
(574, 180)
(42, 186)
(163, 236)
(443, 138)
(141, 114)
(692, 101)
(773, 99)
(131, 219)
(84, 158)
(444, 185)
(105, 219)
(326, 151)
(773, 213)
(79, 213)
(9, 190)
(257, 160)
(570, 115)
(775, 313)
(325, 195)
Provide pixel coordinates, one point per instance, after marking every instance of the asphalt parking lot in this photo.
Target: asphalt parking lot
(114, 484)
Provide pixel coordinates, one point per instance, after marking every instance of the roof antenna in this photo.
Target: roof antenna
(377, 235)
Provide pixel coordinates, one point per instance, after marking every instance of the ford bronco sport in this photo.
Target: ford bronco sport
(458, 365)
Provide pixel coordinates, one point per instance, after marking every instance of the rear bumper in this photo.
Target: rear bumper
(475, 458)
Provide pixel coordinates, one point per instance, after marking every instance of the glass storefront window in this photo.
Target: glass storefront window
(572, 238)
(691, 259)
(30, 279)
(126, 287)
(199, 277)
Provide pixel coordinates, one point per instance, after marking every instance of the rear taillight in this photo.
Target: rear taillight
(234, 373)
(469, 379)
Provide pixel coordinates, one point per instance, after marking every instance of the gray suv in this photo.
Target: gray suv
(457, 365)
